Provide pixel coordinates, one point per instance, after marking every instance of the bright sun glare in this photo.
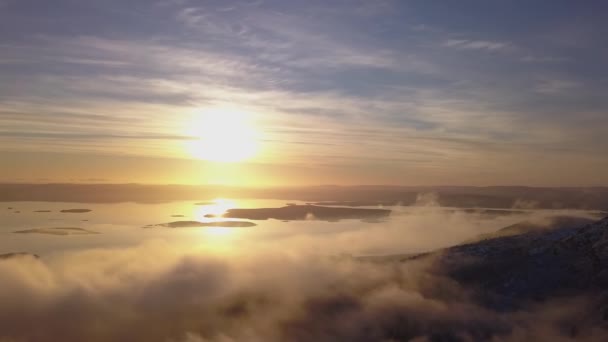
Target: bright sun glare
(217, 207)
(222, 135)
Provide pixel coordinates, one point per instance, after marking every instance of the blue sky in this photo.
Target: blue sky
(397, 92)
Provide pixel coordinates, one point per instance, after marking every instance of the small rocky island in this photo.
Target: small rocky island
(15, 255)
(76, 211)
(57, 231)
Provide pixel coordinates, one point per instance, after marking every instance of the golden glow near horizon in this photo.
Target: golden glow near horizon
(222, 134)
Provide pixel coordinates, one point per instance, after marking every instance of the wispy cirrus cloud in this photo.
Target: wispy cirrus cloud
(467, 44)
(346, 73)
(544, 59)
(556, 86)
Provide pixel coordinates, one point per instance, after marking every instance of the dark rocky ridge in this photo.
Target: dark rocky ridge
(531, 272)
(527, 263)
(533, 266)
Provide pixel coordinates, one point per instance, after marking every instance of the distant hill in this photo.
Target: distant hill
(595, 198)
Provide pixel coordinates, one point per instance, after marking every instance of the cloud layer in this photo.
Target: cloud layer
(154, 293)
(282, 292)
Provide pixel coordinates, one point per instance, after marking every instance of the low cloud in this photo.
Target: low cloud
(166, 292)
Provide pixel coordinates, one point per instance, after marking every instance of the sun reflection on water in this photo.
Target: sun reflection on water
(218, 238)
(217, 207)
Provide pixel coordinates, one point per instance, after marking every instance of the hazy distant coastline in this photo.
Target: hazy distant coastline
(518, 197)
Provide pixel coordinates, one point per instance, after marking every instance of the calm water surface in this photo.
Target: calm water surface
(407, 230)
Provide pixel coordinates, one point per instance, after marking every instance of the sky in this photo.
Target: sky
(262, 92)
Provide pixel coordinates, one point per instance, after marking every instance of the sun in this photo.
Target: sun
(222, 135)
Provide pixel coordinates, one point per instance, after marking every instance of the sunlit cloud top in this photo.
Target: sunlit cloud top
(392, 92)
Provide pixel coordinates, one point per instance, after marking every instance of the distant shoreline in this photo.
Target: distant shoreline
(505, 197)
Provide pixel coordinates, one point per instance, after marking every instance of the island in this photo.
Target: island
(198, 224)
(57, 231)
(205, 203)
(76, 211)
(15, 255)
(305, 212)
(358, 203)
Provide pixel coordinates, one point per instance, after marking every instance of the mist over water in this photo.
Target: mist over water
(277, 281)
(406, 230)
